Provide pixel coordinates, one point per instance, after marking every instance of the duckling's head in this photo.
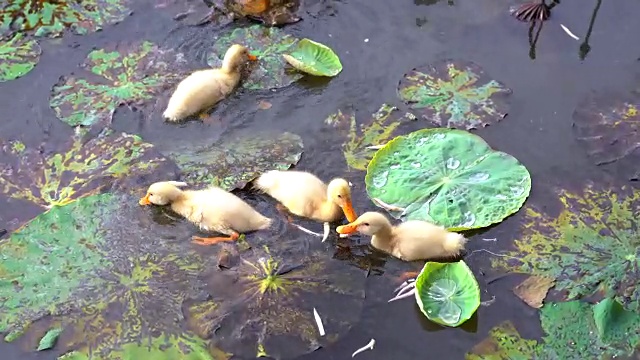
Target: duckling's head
(369, 223)
(339, 192)
(235, 57)
(162, 193)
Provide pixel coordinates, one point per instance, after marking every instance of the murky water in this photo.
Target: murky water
(378, 42)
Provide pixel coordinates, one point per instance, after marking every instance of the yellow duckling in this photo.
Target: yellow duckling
(305, 195)
(204, 88)
(212, 209)
(408, 241)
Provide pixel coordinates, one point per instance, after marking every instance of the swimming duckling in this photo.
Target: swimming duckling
(205, 88)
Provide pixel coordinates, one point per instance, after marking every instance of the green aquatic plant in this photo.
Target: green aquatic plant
(268, 44)
(84, 167)
(129, 74)
(18, 56)
(266, 306)
(455, 94)
(447, 293)
(52, 17)
(607, 126)
(448, 177)
(372, 132)
(314, 58)
(592, 244)
(232, 164)
(504, 343)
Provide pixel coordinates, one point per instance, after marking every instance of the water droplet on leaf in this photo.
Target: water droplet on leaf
(478, 177)
(380, 180)
(453, 163)
(469, 219)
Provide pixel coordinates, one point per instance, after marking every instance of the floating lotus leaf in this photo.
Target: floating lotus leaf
(101, 269)
(455, 94)
(592, 244)
(268, 44)
(18, 56)
(264, 306)
(49, 339)
(314, 58)
(238, 160)
(129, 74)
(86, 166)
(504, 343)
(533, 290)
(608, 126)
(447, 293)
(448, 177)
(374, 131)
(53, 17)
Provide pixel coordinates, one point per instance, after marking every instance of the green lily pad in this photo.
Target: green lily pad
(314, 58)
(504, 343)
(268, 44)
(265, 307)
(52, 17)
(448, 177)
(85, 166)
(447, 293)
(103, 271)
(608, 127)
(591, 244)
(128, 74)
(374, 131)
(18, 56)
(236, 161)
(49, 339)
(455, 94)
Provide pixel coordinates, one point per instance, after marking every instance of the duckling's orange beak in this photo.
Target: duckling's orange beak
(252, 57)
(347, 208)
(145, 200)
(347, 229)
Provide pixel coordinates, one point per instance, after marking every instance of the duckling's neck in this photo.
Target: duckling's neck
(180, 206)
(230, 66)
(383, 239)
(330, 211)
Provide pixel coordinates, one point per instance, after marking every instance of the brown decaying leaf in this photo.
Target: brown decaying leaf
(264, 105)
(534, 289)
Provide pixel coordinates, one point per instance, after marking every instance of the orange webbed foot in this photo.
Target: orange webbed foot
(284, 211)
(408, 275)
(214, 240)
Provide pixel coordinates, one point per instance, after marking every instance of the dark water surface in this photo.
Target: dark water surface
(379, 41)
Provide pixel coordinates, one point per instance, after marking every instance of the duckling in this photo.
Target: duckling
(305, 195)
(212, 209)
(409, 241)
(205, 88)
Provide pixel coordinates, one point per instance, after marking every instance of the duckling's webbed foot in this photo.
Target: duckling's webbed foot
(285, 212)
(214, 240)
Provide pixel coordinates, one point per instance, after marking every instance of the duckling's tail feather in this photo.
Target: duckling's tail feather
(454, 243)
(267, 181)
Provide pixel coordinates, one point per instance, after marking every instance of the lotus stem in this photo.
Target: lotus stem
(369, 346)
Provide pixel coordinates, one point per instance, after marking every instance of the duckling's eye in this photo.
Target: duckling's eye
(340, 196)
(366, 224)
(150, 194)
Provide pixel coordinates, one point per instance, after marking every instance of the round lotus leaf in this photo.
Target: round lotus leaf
(235, 161)
(52, 18)
(314, 58)
(18, 56)
(456, 94)
(268, 44)
(608, 127)
(129, 74)
(87, 165)
(265, 305)
(448, 177)
(447, 293)
(106, 273)
(590, 245)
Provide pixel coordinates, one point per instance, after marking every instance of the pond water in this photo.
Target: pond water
(378, 42)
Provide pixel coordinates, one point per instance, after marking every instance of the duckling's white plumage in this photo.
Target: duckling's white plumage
(205, 88)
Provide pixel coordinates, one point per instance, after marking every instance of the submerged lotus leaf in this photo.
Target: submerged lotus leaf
(447, 293)
(53, 17)
(371, 132)
(268, 44)
(314, 58)
(455, 94)
(448, 177)
(18, 56)
(592, 244)
(85, 167)
(100, 269)
(127, 74)
(504, 343)
(264, 306)
(233, 163)
(608, 126)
